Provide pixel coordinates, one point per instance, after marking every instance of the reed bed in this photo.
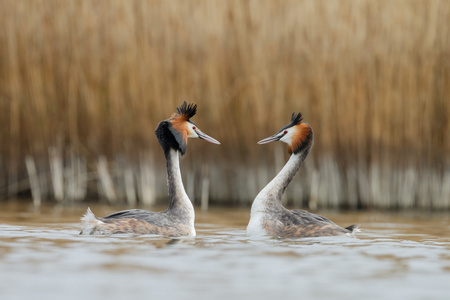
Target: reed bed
(83, 85)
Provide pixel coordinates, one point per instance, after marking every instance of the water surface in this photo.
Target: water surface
(396, 256)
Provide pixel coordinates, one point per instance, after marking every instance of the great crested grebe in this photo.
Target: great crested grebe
(268, 216)
(178, 219)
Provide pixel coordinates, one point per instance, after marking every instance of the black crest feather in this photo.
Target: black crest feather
(187, 110)
(296, 119)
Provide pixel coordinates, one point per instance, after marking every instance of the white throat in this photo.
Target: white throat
(271, 194)
(180, 204)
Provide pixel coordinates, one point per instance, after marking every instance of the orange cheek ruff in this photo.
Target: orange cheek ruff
(300, 138)
(290, 149)
(179, 124)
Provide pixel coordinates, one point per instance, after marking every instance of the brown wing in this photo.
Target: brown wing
(300, 223)
(310, 218)
(142, 222)
(314, 230)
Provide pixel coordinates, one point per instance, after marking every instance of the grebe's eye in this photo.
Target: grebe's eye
(285, 132)
(193, 127)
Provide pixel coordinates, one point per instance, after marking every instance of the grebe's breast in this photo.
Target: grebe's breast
(264, 215)
(256, 225)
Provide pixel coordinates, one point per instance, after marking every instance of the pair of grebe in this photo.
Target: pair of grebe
(268, 216)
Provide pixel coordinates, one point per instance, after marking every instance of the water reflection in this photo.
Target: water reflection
(396, 256)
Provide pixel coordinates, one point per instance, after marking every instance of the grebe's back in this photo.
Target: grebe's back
(137, 221)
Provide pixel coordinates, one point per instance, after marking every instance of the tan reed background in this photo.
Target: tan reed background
(83, 85)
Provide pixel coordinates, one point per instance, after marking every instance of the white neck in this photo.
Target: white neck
(179, 202)
(270, 196)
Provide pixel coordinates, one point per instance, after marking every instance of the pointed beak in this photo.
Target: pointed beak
(206, 137)
(273, 138)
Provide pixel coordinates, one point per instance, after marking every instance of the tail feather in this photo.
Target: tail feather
(89, 222)
(353, 228)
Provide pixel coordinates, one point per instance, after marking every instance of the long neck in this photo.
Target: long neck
(178, 199)
(271, 194)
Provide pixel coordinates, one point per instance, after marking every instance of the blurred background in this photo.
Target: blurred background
(83, 85)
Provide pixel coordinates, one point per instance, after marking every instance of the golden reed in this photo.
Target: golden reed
(83, 85)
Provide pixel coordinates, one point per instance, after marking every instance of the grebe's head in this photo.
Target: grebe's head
(296, 134)
(174, 132)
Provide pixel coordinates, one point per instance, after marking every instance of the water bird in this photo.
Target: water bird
(268, 216)
(178, 219)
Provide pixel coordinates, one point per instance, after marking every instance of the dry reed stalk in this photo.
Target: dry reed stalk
(81, 178)
(57, 173)
(371, 77)
(106, 180)
(130, 188)
(34, 182)
(147, 180)
(204, 198)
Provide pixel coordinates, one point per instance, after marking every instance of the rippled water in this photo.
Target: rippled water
(397, 256)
